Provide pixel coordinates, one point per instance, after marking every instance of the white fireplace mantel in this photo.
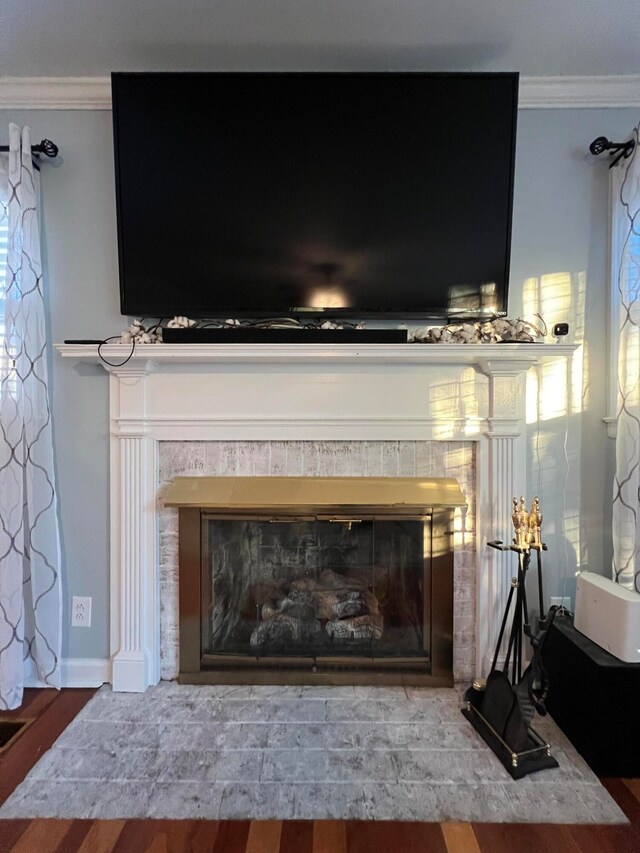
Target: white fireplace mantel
(390, 354)
(303, 392)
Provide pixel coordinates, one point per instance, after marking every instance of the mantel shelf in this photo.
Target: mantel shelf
(413, 354)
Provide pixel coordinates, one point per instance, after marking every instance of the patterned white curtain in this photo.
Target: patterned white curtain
(625, 195)
(30, 591)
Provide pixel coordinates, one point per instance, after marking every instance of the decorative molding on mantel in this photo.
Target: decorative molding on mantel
(488, 358)
(318, 428)
(94, 93)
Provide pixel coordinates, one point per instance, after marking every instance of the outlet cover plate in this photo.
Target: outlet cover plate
(81, 611)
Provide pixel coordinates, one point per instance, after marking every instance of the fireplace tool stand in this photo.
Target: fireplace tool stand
(501, 708)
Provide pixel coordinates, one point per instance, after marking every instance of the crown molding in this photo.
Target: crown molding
(55, 93)
(579, 92)
(94, 93)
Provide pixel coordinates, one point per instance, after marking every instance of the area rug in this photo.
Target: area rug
(370, 753)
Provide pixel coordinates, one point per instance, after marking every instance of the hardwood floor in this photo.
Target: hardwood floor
(53, 712)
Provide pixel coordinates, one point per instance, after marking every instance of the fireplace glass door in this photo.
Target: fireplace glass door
(277, 591)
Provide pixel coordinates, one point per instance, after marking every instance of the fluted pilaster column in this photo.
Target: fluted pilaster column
(505, 477)
(135, 598)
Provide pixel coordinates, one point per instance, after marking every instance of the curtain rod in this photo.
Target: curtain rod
(622, 149)
(45, 146)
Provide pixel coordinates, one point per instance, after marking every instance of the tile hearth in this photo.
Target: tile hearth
(374, 753)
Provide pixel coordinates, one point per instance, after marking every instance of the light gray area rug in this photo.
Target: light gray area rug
(373, 753)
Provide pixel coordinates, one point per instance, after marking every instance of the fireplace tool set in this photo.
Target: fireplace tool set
(501, 708)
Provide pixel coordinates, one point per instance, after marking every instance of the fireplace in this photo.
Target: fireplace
(297, 397)
(316, 580)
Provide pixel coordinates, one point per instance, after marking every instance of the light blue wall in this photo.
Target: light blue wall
(560, 217)
(560, 226)
(81, 268)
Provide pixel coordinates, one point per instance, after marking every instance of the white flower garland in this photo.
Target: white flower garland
(486, 332)
(138, 334)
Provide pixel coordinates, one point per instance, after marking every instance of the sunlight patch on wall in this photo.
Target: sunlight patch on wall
(550, 296)
(460, 457)
(455, 401)
(559, 298)
(547, 392)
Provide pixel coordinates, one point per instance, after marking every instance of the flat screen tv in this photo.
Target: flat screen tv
(306, 194)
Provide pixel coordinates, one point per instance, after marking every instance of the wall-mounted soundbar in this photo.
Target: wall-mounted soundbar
(249, 335)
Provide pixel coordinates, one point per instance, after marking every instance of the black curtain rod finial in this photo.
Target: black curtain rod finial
(600, 144)
(46, 147)
(621, 149)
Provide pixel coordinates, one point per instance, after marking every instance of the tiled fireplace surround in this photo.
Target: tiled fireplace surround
(454, 410)
(321, 459)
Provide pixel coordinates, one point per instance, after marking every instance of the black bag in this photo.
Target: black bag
(501, 709)
(509, 710)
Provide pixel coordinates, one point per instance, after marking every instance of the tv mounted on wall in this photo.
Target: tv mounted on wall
(306, 194)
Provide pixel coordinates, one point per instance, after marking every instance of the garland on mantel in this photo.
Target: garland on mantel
(499, 330)
(481, 332)
(139, 334)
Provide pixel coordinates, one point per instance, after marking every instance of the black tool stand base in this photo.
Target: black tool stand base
(594, 698)
(536, 757)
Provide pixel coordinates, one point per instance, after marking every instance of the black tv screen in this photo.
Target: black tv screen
(344, 194)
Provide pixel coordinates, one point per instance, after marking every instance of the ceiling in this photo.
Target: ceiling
(535, 37)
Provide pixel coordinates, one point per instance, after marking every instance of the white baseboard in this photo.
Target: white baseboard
(77, 672)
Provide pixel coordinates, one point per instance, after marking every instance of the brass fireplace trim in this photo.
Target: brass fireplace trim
(435, 670)
(320, 497)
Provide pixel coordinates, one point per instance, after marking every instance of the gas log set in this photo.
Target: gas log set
(331, 608)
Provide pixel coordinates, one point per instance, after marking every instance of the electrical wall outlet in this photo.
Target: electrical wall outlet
(559, 601)
(81, 611)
